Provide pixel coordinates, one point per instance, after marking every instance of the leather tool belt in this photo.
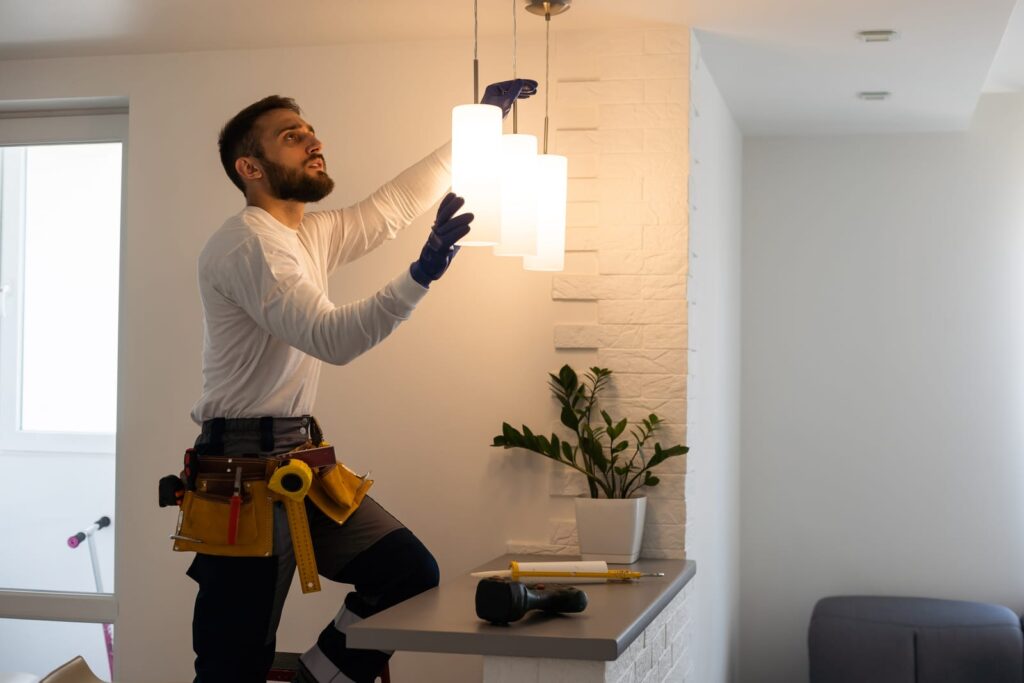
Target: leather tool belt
(210, 522)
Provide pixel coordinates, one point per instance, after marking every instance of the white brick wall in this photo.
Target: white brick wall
(620, 106)
(628, 198)
(661, 654)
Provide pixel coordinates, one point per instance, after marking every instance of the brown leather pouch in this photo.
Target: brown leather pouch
(205, 513)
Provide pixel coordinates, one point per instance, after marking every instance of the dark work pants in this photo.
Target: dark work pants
(240, 599)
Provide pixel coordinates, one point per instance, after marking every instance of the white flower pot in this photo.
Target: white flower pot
(610, 529)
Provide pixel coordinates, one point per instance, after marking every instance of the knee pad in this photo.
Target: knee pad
(393, 569)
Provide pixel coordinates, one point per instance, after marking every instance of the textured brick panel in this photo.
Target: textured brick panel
(666, 41)
(670, 140)
(628, 189)
(664, 386)
(580, 165)
(665, 337)
(620, 237)
(598, 336)
(602, 92)
(581, 214)
(594, 287)
(581, 239)
(624, 385)
(660, 361)
(669, 410)
(626, 213)
(620, 262)
(571, 142)
(664, 263)
(665, 511)
(611, 43)
(648, 165)
(642, 66)
(665, 238)
(583, 190)
(641, 312)
(647, 115)
(663, 536)
(663, 287)
(571, 115)
(674, 90)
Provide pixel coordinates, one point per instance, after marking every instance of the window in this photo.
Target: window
(60, 229)
(60, 239)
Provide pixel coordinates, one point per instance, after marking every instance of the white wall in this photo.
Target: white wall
(419, 411)
(883, 375)
(713, 419)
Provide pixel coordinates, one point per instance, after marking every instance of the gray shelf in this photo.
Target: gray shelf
(444, 619)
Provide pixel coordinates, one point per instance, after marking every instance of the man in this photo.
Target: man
(268, 325)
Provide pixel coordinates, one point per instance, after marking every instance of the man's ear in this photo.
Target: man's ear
(248, 168)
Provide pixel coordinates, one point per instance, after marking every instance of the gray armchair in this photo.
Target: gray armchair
(859, 639)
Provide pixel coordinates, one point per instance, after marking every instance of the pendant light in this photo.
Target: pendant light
(476, 143)
(552, 169)
(518, 181)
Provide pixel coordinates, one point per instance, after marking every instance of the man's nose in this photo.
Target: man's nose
(315, 146)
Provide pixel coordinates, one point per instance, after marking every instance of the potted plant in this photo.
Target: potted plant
(610, 521)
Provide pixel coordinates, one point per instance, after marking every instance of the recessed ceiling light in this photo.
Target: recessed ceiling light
(874, 95)
(878, 36)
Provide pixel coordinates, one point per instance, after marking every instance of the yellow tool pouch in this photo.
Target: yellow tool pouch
(338, 491)
(204, 520)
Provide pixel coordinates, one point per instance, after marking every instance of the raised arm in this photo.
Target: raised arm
(351, 232)
(275, 292)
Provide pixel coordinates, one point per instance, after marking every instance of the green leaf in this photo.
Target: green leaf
(500, 441)
(593, 449)
(607, 420)
(620, 446)
(651, 480)
(568, 379)
(570, 419)
(555, 449)
(567, 451)
(618, 429)
(512, 437)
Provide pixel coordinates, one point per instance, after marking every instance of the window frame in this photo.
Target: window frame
(30, 130)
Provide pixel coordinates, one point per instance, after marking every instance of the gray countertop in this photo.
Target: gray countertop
(444, 619)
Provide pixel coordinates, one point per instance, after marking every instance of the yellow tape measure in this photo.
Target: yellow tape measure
(291, 482)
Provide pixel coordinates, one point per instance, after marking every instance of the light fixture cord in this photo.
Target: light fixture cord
(515, 50)
(547, 73)
(476, 62)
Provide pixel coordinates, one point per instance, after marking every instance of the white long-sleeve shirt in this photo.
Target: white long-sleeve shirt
(268, 323)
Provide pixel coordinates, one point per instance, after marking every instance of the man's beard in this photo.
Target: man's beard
(291, 184)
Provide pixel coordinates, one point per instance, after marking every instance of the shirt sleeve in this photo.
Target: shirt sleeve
(353, 231)
(268, 282)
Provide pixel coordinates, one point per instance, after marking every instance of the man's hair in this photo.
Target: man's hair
(239, 138)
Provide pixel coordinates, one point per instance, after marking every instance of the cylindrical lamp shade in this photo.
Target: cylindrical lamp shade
(518, 196)
(476, 160)
(552, 180)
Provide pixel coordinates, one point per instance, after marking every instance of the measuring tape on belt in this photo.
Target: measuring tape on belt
(291, 482)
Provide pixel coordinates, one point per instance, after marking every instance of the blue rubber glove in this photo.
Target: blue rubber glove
(440, 248)
(503, 94)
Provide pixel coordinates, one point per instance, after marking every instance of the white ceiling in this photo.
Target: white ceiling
(784, 66)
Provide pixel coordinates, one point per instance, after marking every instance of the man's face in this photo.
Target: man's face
(292, 158)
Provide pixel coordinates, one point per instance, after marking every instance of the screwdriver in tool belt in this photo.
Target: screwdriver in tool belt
(236, 506)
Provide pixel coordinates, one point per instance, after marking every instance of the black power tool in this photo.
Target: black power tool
(500, 601)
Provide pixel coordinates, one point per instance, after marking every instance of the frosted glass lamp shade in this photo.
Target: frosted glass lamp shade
(518, 196)
(476, 150)
(552, 181)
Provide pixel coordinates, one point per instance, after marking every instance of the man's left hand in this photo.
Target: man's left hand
(504, 93)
